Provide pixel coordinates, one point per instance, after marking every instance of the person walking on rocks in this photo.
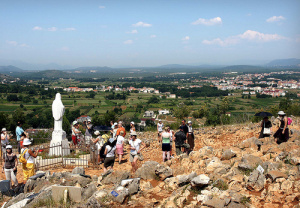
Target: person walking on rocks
(184, 127)
(109, 153)
(120, 143)
(282, 134)
(190, 136)
(132, 127)
(19, 131)
(10, 165)
(4, 141)
(114, 130)
(265, 124)
(171, 141)
(120, 128)
(99, 142)
(136, 146)
(160, 127)
(29, 155)
(166, 147)
(180, 141)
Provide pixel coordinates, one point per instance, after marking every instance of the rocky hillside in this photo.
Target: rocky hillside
(226, 169)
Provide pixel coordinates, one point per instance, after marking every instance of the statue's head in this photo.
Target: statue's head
(58, 96)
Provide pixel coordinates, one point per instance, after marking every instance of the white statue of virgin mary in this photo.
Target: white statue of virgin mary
(58, 110)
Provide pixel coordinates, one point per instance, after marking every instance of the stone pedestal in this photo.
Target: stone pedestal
(59, 145)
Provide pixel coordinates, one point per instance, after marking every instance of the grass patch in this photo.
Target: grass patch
(245, 200)
(220, 184)
(49, 202)
(246, 172)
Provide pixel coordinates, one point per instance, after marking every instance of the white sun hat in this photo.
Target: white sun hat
(281, 113)
(97, 133)
(26, 142)
(8, 147)
(132, 122)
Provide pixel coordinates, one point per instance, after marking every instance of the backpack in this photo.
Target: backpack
(289, 121)
(102, 150)
(22, 158)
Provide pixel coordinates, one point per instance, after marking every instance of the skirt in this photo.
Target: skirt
(190, 141)
(166, 147)
(120, 149)
(109, 162)
(282, 137)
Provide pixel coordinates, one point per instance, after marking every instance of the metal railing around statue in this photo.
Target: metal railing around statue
(67, 156)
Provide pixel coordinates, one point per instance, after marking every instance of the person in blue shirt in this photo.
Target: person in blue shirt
(19, 132)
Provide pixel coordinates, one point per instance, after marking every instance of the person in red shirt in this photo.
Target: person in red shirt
(120, 128)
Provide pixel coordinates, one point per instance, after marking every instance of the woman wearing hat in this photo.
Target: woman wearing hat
(99, 143)
(282, 134)
(75, 132)
(110, 150)
(135, 149)
(119, 145)
(29, 155)
(10, 165)
(190, 136)
(4, 140)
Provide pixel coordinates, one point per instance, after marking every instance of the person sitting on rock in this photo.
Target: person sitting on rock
(180, 141)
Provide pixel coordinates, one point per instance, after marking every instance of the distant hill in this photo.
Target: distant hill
(93, 68)
(242, 68)
(284, 62)
(9, 69)
(47, 74)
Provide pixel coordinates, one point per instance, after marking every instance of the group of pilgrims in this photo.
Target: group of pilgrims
(110, 145)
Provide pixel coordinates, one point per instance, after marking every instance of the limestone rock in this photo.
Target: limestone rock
(215, 203)
(184, 179)
(200, 180)
(89, 191)
(256, 181)
(249, 162)
(78, 170)
(116, 177)
(163, 172)
(228, 154)
(214, 164)
(276, 174)
(147, 171)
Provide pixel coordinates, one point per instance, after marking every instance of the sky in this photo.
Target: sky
(121, 33)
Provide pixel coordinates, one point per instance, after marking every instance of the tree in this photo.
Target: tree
(182, 111)
(153, 99)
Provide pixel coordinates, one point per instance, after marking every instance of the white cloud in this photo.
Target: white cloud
(65, 48)
(275, 19)
(127, 42)
(24, 45)
(69, 29)
(52, 29)
(12, 42)
(37, 28)
(209, 22)
(101, 7)
(249, 35)
(152, 36)
(133, 32)
(186, 38)
(15, 43)
(141, 24)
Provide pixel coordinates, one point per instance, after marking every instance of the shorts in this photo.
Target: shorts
(159, 133)
(109, 162)
(166, 147)
(74, 139)
(131, 158)
(120, 149)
